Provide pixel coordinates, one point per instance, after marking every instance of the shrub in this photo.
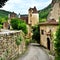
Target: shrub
(0, 26)
(36, 34)
(18, 24)
(27, 41)
(57, 43)
(14, 23)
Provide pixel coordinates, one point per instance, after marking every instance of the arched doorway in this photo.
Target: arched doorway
(48, 43)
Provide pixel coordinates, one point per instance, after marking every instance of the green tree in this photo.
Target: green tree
(36, 34)
(18, 24)
(14, 23)
(44, 13)
(22, 26)
(2, 2)
(57, 43)
(2, 20)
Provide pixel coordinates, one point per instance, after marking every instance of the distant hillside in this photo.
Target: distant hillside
(44, 13)
(4, 13)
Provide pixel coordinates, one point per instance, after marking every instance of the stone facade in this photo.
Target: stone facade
(47, 32)
(12, 15)
(8, 47)
(33, 16)
(29, 29)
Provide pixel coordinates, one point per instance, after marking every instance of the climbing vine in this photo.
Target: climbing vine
(18, 40)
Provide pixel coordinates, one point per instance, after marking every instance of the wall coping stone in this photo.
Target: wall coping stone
(9, 32)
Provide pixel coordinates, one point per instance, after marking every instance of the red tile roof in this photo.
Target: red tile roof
(25, 19)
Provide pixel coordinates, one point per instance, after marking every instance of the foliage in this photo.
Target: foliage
(18, 41)
(44, 13)
(36, 34)
(18, 24)
(14, 23)
(2, 2)
(23, 27)
(57, 43)
(27, 41)
(42, 20)
(1, 26)
(2, 20)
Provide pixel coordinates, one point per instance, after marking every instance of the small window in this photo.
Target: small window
(42, 32)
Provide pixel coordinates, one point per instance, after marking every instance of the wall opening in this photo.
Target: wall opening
(48, 43)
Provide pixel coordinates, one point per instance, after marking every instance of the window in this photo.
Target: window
(42, 32)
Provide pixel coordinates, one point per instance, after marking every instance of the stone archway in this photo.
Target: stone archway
(48, 43)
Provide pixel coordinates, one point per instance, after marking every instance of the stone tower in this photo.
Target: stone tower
(33, 16)
(55, 11)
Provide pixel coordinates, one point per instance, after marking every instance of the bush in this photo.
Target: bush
(27, 41)
(18, 24)
(57, 43)
(36, 34)
(0, 26)
(2, 20)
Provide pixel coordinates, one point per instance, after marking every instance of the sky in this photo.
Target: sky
(22, 6)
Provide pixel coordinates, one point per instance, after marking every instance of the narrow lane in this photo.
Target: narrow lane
(35, 53)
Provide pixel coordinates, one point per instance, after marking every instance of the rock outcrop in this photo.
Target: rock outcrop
(55, 10)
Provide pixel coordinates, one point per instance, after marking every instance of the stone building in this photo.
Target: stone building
(12, 15)
(33, 16)
(48, 28)
(47, 31)
(6, 25)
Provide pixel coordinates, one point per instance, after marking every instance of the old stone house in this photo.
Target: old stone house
(47, 31)
(12, 15)
(33, 16)
(6, 25)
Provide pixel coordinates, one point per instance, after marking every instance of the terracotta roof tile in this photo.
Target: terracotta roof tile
(25, 19)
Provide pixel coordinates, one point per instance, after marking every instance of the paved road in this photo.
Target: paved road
(35, 53)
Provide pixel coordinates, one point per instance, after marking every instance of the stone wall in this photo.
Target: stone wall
(8, 47)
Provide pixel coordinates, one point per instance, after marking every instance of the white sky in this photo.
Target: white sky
(22, 6)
